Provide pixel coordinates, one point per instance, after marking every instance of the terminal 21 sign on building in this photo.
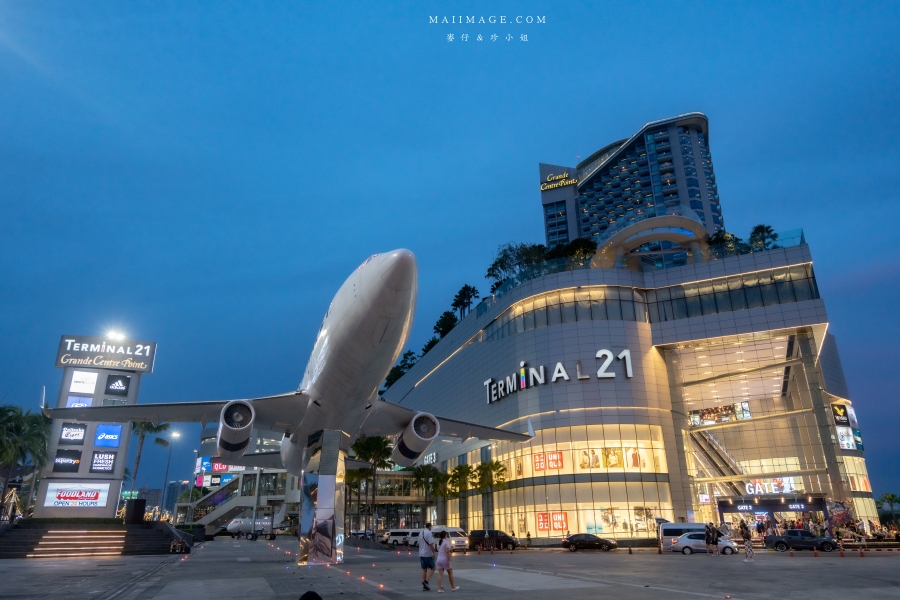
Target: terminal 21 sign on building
(84, 477)
(529, 376)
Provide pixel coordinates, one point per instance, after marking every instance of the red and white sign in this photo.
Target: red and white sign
(540, 462)
(560, 521)
(543, 521)
(554, 460)
(84, 495)
(223, 468)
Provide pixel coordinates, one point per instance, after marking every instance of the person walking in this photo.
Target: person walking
(426, 555)
(714, 535)
(748, 544)
(527, 540)
(443, 562)
(707, 539)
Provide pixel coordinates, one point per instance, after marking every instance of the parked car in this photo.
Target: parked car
(588, 541)
(798, 539)
(458, 538)
(696, 542)
(491, 538)
(397, 537)
(670, 531)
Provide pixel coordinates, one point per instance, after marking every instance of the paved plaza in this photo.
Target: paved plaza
(247, 570)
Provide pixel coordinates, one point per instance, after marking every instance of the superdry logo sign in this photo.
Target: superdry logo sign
(528, 376)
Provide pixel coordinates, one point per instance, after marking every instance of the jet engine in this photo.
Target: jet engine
(415, 439)
(235, 425)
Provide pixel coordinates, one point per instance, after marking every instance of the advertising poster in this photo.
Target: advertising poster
(540, 462)
(117, 385)
(78, 401)
(543, 521)
(83, 382)
(77, 495)
(103, 462)
(215, 480)
(72, 434)
(224, 479)
(845, 438)
(206, 464)
(67, 461)
(851, 414)
(612, 458)
(840, 414)
(108, 435)
(857, 439)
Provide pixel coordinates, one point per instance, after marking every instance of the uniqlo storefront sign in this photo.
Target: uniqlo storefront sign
(77, 494)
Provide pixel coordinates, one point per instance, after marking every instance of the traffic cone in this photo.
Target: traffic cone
(842, 553)
(816, 552)
(861, 553)
(480, 545)
(629, 550)
(792, 551)
(659, 549)
(492, 549)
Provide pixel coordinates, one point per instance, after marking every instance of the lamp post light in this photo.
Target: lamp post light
(194, 484)
(165, 494)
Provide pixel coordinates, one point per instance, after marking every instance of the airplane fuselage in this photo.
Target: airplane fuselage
(362, 335)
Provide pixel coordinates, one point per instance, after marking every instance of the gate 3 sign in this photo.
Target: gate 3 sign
(102, 353)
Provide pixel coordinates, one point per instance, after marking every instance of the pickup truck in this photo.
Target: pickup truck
(799, 539)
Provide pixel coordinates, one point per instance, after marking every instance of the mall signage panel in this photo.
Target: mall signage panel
(779, 485)
(67, 461)
(108, 435)
(78, 401)
(555, 521)
(103, 462)
(840, 414)
(83, 382)
(72, 434)
(77, 494)
(103, 353)
(845, 438)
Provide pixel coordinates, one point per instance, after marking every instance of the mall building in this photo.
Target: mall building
(664, 378)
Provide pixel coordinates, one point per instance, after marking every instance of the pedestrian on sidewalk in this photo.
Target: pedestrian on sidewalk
(748, 544)
(707, 539)
(426, 555)
(714, 535)
(443, 562)
(527, 540)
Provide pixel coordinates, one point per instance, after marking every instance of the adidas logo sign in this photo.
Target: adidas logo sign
(117, 385)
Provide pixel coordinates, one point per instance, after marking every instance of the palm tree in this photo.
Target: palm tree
(890, 500)
(445, 323)
(460, 478)
(458, 304)
(490, 476)
(143, 429)
(375, 450)
(23, 436)
(762, 237)
(429, 345)
(423, 478)
(441, 483)
(464, 299)
(352, 480)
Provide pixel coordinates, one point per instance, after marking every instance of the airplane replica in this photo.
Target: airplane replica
(364, 331)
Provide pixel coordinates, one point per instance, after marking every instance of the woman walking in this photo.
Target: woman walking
(443, 562)
(748, 544)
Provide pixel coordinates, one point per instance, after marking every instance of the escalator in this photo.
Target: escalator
(716, 457)
(223, 504)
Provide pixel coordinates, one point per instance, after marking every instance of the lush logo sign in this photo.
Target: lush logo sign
(527, 377)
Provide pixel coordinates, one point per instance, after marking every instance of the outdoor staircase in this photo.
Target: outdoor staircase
(66, 541)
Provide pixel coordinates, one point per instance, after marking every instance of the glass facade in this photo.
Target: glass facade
(555, 224)
(609, 479)
(738, 292)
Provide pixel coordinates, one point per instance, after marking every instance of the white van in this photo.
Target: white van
(397, 537)
(457, 536)
(670, 531)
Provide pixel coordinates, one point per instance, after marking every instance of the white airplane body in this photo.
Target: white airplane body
(362, 335)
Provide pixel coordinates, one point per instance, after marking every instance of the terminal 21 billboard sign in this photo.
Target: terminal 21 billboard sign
(103, 353)
(527, 376)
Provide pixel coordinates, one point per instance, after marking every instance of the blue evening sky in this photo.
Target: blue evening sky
(206, 174)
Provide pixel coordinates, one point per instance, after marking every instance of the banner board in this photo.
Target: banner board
(77, 495)
(104, 353)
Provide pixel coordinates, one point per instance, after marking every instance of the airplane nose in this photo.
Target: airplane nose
(399, 270)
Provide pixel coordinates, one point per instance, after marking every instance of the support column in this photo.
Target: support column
(321, 532)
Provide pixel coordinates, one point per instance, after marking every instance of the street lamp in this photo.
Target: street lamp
(165, 494)
(194, 484)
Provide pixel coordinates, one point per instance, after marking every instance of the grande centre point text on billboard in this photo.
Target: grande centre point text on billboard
(103, 353)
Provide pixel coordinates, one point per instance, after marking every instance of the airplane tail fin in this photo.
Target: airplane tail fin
(530, 428)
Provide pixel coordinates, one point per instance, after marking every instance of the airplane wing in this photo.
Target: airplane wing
(283, 411)
(390, 419)
(263, 460)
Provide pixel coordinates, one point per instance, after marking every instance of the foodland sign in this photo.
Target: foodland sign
(81, 495)
(103, 353)
(527, 377)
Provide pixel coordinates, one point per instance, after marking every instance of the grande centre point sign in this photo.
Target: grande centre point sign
(528, 376)
(105, 353)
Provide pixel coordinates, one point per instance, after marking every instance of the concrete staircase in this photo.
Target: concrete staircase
(71, 540)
